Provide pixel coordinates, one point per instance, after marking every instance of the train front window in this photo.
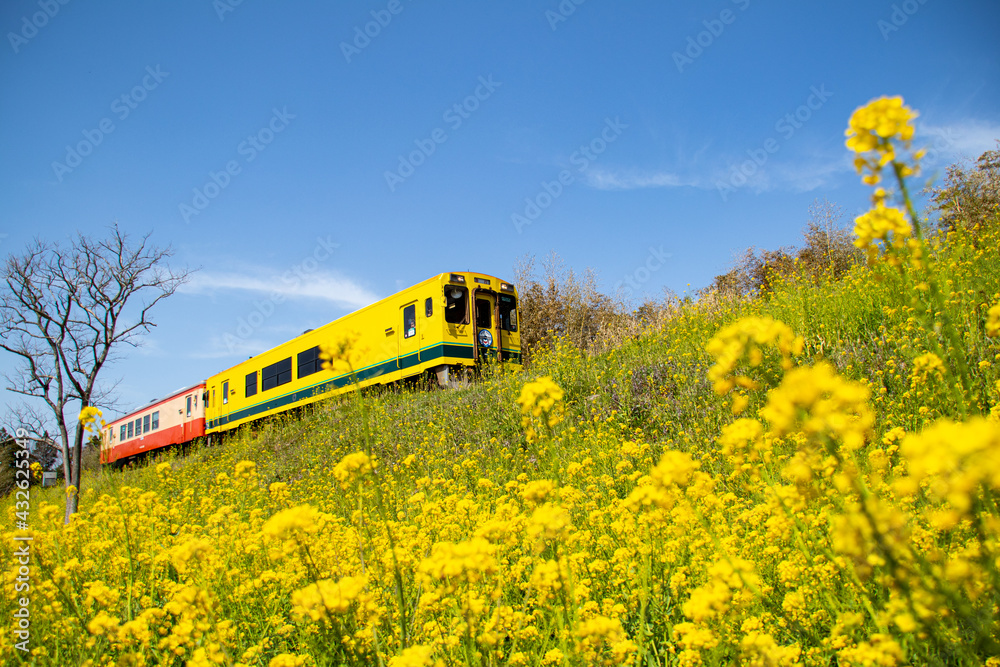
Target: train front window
(188, 406)
(484, 318)
(456, 309)
(508, 313)
(225, 392)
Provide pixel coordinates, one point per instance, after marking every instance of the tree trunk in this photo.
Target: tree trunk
(73, 478)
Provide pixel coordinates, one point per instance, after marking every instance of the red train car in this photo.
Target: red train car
(173, 420)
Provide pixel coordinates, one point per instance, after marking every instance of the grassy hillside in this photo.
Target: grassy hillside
(807, 477)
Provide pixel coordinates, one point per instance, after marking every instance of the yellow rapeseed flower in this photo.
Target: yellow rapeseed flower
(344, 354)
(326, 595)
(744, 343)
(884, 224)
(414, 656)
(303, 518)
(542, 399)
(872, 130)
(817, 401)
(90, 417)
(993, 321)
(351, 467)
(288, 660)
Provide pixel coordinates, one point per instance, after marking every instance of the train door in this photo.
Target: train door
(224, 397)
(487, 326)
(407, 341)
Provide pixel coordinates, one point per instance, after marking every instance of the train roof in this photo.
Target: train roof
(435, 277)
(157, 401)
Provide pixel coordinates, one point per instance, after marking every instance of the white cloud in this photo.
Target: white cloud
(320, 285)
(964, 139)
(633, 179)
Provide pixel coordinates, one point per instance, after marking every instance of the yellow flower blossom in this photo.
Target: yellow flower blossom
(300, 519)
(872, 130)
(993, 321)
(351, 467)
(345, 354)
(327, 596)
(541, 399)
(819, 402)
(884, 224)
(414, 656)
(744, 343)
(90, 419)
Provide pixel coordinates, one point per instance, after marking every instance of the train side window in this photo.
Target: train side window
(156, 420)
(251, 384)
(308, 362)
(189, 406)
(124, 431)
(225, 392)
(410, 321)
(196, 401)
(428, 307)
(456, 309)
(508, 313)
(276, 374)
(130, 425)
(145, 424)
(483, 317)
(138, 427)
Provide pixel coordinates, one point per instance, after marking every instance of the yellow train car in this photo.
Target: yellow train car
(442, 327)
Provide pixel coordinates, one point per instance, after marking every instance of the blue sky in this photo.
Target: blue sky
(309, 158)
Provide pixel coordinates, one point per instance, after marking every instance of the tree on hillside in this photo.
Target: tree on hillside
(828, 252)
(65, 312)
(970, 195)
(559, 302)
(829, 245)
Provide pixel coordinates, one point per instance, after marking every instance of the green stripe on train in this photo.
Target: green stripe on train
(373, 371)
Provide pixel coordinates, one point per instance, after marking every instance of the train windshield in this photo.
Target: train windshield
(456, 309)
(508, 312)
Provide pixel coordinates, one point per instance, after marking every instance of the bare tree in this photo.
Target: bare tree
(63, 314)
